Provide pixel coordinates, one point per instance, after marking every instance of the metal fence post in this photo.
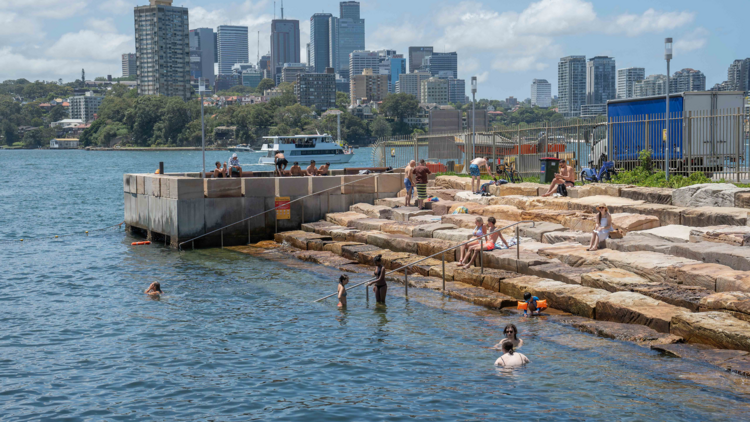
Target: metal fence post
(647, 142)
(739, 136)
(494, 153)
(518, 151)
(367, 292)
(578, 146)
(481, 255)
(689, 140)
(416, 149)
(406, 281)
(444, 270)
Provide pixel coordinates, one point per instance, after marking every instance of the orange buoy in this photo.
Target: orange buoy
(140, 243)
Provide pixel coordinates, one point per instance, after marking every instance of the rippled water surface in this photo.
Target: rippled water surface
(237, 337)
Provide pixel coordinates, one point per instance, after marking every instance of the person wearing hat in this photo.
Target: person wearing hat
(234, 166)
(603, 227)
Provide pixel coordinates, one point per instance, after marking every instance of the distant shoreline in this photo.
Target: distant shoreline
(155, 149)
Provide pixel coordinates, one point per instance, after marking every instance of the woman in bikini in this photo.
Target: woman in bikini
(489, 242)
(343, 281)
(479, 231)
(381, 287)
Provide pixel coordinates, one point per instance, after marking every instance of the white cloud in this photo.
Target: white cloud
(102, 25)
(87, 44)
(556, 17)
(648, 22)
(693, 41)
(247, 14)
(17, 28)
(483, 77)
(518, 64)
(50, 9)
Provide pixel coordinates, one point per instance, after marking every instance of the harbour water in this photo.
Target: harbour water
(237, 337)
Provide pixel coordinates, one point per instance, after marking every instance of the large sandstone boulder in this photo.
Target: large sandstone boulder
(524, 189)
(735, 257)
(419, 264)
(490, 279)
(577, 300)
(337, 247)
(443, 207)
(714, 216)
(667, 214)
(447, 194)
(450, 268)
(671, 233)
(635, 308)
(627, 222)
(480, 297)
(428, 230)
(707, 195)
(453, 182)
(577, 256)
(615, 280)
(735, 303)
(560, 272)
(342, 235)
(636, 241)
(368, 224)
(650, 265)
(436, 246)
(651, 195)
(404, 213)
(511, 260)
(343, 218)
(579, 222)
(353, 250)
(312, 227)
(717, 329)
(372, 211)
(624, 332)
(589, 204)
(553, 238)
(596, 189)
(395, 242)
(464, 221)
(406, 228)
(391, 202)
(453, 235)
(538, 230)
(730, 235)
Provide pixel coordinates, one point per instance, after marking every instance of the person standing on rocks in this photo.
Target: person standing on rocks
(475, 170)
(381, 287)
(409, 181)
(421, 174)
(603, 227)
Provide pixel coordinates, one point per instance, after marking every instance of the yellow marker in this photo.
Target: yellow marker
(55, 237)
(21, 240)
(87, 232)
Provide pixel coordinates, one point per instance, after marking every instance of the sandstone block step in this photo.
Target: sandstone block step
(373, 211)
(406, 228)
(651, 195)
(735, 257)
(404, 213)
(391, 202)
(635, 308)
(507, 260)
(328, 259)
(559, 272)
(707, 195)
(428, 230)
(577, 300)
(736, 304)
(368, 257)
(343, 218)
(490, 279)
(341, 235)
(298, 238)
(436, 246)
(667, 214)
(311, 227)
(713, 277)
(319, 244)
(671, 233)
(523, 189)
(501, 212)
(450, 269)
(453, 235)
(368, 224)
(468, 196)
(624, 332)
(597, 189)
(481, 297)
(473, 207)
(540, 229)
(577, 255)
(545, 215)
(447, 194)
(650, 265)
(717, 329)
(453, 182)
(353, 250)
(715, 216)
(730, 235)
(737, 361)
(635, 242)
(420, 265)
(337, 247)
(395, 242)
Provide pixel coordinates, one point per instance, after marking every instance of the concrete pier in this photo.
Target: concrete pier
(174, 208)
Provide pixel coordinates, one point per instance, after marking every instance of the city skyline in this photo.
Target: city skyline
(60, 40)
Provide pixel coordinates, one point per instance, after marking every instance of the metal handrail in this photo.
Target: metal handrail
(481, 249)
(179, 246)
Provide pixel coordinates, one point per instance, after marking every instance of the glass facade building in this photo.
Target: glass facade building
(232, 43)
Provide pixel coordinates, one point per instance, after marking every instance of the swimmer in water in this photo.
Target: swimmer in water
(511, 335)
(343, 281)
(154, 289)
(511, 358)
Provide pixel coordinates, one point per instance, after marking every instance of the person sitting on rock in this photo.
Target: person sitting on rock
(489, 242)
(220, 172)
(566, 176)
(511, 358)
(235, 170)
(603, 227)
(479, 231)
(511, 335)
(323, 170)
(296, 170)
(311, 169)
(532, 305)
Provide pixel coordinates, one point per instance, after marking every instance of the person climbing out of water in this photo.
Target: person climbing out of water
(343, 281)
(381, 287)
(281, 162)
(154, 289)
(533, 304)
(511, 358)
(511, 335)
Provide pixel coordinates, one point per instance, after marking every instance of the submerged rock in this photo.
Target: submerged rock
(718, 329)
(624, 332)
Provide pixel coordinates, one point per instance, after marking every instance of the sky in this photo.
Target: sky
(505, 43)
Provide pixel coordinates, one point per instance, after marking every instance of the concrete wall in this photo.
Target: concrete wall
(182, 208)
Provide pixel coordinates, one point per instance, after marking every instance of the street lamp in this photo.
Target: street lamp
(473, 114)
(667, 57)
(202, 89)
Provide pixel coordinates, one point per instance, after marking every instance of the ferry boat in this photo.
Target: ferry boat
(241, 148)
(305, 148)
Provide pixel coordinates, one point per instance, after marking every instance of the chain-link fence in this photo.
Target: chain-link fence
(715, 143)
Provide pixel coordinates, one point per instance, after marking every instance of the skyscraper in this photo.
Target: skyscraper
(456, 91)
(626, 79)
(397, 65)
(349, 10)
(285, 44)
(361, 60)
(203, 40)
(347, 36)
(601, 80)
(650, 86)
(232, 43)
(368, 87)
(317, 89)
(738, 75)
(416, 56)
(541, 93)
(162, 49)
(411, 83)
(320, 42)
(435, 91)
(571, 85)
(441, 62)
(687, 80)
(128, 65)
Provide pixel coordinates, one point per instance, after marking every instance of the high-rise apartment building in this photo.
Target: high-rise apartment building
(541, 93)
(456, 91)
(203, 40)
(85, 107)
(687, 80)
(738, 76)
(317, 89)
(290, 71)
(571, 85)
(162, 49)
(232, 43)
(411, 83)
(128, 65)
(601, 80)
(320, 42)
(368, 87)
(361, 60)
(417, 56)
(435, 91)
(285, 44)
(650, 86)
(626, 79)
(441, 62)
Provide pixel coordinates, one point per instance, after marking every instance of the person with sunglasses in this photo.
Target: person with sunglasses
(511, 335)
(603, 227)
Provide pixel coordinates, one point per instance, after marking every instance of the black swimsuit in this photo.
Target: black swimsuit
(281, 162)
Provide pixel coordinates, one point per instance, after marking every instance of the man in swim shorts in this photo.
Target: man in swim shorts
(280, 162)
(234, 167)
(421, 174)
(476, 173)
(409, 181)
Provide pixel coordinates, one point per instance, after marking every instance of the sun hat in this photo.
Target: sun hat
(234, 155)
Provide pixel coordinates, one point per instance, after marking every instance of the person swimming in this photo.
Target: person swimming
(343, 281)
(154, 289)
(511, 335)
(511, 358)
(533, 304)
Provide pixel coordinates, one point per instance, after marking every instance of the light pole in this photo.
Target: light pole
(473, 115)
(667, 57)
(202, 88)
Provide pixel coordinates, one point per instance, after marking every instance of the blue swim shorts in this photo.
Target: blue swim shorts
(474, 170)
(408, 186)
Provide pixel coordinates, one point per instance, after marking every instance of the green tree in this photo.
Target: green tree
(145, 115)
(380, 127)
(264, 85)
(57, 113)
(9, 132)
(353, 129)
(295, 116)
(174, 120)
(400, 106)
(343, 100)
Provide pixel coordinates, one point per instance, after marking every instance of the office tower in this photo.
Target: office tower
(251, 76)
(441, 62)
(162, 49)
(196, 73)
(416, 56)
(290, 71)
(347, 36)
(368, 87)
(456, 91)
(361, 60)
(650, 86)
(317, 89)
(203, 40)
(411, 83)
(434, 91)
(738, 76)
(320, 42)
(687, 80)
(128, 65)
(285, 44)
(541, 93)
(232, 42)
(571, 85)
(626, 79)
(397, 67)
(601, 80)
(349, 10)
(85, 107)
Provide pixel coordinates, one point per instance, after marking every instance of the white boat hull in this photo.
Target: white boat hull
(305, 159)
